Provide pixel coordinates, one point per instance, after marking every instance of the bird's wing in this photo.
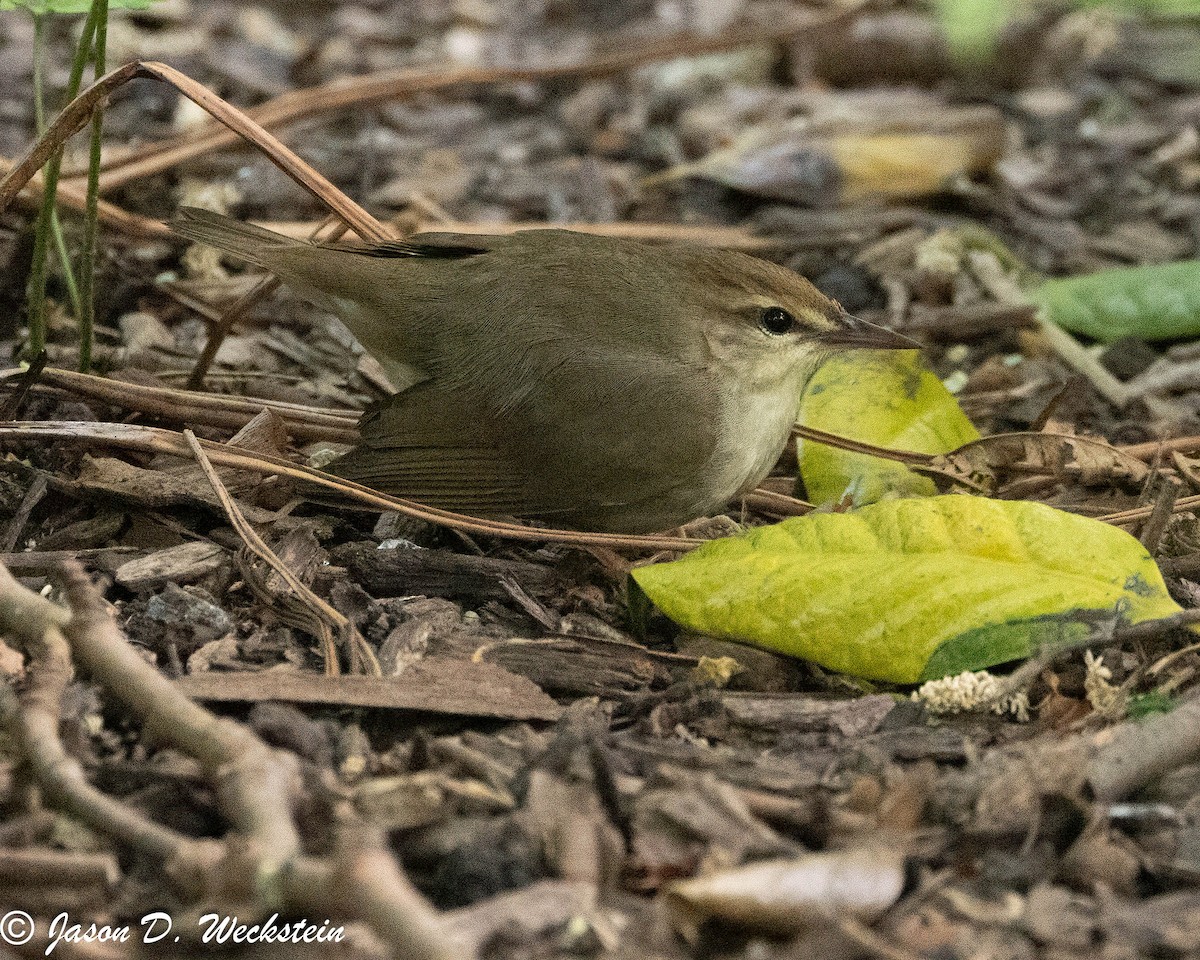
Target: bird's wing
(423, 445)
(433, 246)
(586, 460)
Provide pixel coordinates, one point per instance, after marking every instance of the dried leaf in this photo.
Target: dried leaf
(859, 147)
(786, 896)
(982, 463)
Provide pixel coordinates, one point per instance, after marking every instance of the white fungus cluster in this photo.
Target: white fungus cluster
(971, 691)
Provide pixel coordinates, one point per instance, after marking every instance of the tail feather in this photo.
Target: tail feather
(241, 239)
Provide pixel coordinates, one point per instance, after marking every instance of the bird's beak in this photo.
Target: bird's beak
(856, 332)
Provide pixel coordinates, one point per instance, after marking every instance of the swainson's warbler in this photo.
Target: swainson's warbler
(585, 381)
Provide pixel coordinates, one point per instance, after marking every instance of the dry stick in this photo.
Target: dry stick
(37, 626)
(776, 504)
(327, 617)
(365, 881)
(1161, 512)
(1126, 517)
(255, 782)
(1138, 752)
(303, 422)
(929, 464)
(75, 198)
(988, 270)
(155, 440)
(78, 113)
(36, 867)
(16, 525)
(1155, 448)
(380, 87)
(254, 787)
(858, 446)
(217, 335)
(25, 382)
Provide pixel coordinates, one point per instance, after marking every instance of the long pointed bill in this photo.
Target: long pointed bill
(856, 332)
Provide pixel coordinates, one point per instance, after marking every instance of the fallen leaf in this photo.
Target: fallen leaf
(981, 463)
(886, 398)
(912, 590)
(1160, 302)
(786, 896)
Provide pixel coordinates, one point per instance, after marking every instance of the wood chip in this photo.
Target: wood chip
(435, 685)
(185, 563)
(152, 489)
(795, 712)
(440, 573)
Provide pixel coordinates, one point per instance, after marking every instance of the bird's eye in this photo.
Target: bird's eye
(776, 321)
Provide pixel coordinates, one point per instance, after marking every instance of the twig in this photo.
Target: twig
(359, 92)
(1105, 634)
(1137, 753)
(54, 867)
(33, 496)
(27, 379)
(79, 111)
(37, 625)
(776, 504)
(364, 881)
(1125, 517)
(255, 788)
(325, 617)
(202, 409)
(1158, 448)
(988, 270)
(74, 198)
(859, 446)
(1160, 514)
(155, 440)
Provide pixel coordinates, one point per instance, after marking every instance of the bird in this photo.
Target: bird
(577, 380)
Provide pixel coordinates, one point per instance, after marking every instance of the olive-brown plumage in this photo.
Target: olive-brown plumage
(585, 381)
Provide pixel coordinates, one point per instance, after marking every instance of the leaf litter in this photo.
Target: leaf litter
(585, 769)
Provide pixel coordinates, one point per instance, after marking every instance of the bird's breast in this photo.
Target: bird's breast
(754, 426)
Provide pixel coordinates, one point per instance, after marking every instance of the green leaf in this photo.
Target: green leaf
(912, 590)
(1149, 703)
(1159, 302)
(972, 27)
(883, 397)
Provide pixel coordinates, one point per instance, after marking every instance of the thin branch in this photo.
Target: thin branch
(32, 718)
(305, 423)
(79, 111)
(255, 784)
(154, 440)
(326, 618)
(359, 92)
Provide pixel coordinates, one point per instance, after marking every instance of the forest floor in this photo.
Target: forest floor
(546, 770)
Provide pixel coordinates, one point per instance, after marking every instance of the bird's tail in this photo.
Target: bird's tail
(241, 239)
